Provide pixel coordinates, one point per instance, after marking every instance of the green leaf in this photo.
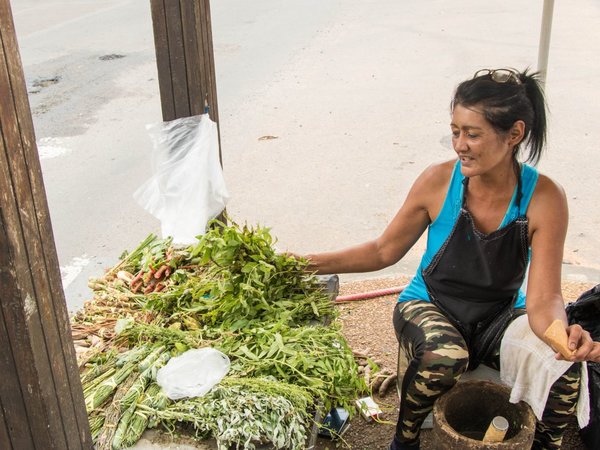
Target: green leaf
(273, 349)
(238, 324)
(248, 353)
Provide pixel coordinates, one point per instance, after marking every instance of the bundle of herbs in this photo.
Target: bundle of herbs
(231, 291)
(316, 358)
(119, 294)
(150, 267)
(245, 283)
(114, 387)
(243, 413)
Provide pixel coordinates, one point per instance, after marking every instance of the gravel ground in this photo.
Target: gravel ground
(367, 326)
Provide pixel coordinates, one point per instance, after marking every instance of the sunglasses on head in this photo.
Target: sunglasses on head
(499, 75)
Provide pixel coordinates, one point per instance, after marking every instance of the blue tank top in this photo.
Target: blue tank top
(439, 230)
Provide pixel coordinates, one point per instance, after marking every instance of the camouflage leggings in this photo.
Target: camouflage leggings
(432, 357)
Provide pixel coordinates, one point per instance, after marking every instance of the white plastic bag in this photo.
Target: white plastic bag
(193, 373)
(187, 188)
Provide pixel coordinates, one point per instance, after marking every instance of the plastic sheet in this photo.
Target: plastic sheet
(193, 373)
(187, 188)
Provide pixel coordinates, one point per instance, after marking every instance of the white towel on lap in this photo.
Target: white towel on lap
(528, 365)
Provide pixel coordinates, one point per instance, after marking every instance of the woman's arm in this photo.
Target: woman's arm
(424, 199)
(548, 221)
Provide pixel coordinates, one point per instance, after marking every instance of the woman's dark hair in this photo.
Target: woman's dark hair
(518, 96)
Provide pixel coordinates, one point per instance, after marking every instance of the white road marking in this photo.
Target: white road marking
(70, 272)
(51, 148)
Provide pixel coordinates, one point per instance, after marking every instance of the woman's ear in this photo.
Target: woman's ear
(517, 132)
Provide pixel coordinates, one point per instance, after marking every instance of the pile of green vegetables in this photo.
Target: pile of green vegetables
(230, 291)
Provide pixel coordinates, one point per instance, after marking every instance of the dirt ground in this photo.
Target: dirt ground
(367, 325)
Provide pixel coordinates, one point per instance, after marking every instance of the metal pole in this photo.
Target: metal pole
(544, 46)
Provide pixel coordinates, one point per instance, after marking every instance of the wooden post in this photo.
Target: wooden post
(184, 57)
(41, 399)
(185, 60)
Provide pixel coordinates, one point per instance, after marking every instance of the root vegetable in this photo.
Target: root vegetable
(161, 272)
(149, 275)
(135, 287)
(377, 380)
(386, 384)
(137, 278)
(125, 276)
(361, 353)
(367, 373)
(150, 287)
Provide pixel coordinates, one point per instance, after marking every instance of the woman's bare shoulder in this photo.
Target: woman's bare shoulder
(437, 175)
(547, 192)
(429, 189)
(548, 204)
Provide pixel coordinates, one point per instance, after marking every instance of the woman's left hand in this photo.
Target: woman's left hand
(586, 348)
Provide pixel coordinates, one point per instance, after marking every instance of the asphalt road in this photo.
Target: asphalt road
(356, 93)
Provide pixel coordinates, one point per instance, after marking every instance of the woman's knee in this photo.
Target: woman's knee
(445, 359)
(431, 341)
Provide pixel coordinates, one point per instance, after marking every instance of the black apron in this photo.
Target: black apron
(474, 278)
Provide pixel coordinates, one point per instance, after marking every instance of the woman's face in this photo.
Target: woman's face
(480, 148)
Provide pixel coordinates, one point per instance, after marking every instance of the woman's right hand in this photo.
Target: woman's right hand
(581, 341)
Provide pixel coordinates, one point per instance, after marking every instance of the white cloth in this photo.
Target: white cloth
(528, 365)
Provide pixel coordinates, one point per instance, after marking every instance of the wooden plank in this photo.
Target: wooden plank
(35, 310)
(193, 63)
(15, 432)
(4, 433)
(205, 21)
(183, 35)
(211, 55)
(161, 45)
(177, 59)
(22, 318)
(215, 103)
(45, 267)
(24, 373)
(207, 55)
(202, 61)
(52, 303)
(25, 332)
(42, 326)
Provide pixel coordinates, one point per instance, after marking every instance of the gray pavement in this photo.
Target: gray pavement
(356, 92)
